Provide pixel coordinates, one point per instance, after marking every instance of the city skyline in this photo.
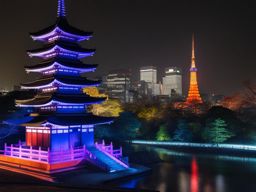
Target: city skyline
(222, 47)
(152, 110)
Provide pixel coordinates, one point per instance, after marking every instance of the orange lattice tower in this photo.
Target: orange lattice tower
(193, 93)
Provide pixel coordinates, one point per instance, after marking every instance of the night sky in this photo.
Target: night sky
(134, 33)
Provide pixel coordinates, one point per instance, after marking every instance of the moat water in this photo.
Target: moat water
(185, 172)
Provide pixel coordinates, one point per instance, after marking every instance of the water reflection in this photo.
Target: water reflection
(220, 183)
(183, 181)
(184, 172)
(194, 180)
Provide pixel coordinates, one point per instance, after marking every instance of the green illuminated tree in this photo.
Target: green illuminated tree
(217, 132)
(163, 134)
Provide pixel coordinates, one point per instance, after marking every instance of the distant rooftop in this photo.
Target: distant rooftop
(148, 68)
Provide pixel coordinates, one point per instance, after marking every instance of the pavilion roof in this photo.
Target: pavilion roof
(62, 24)
(69, 120)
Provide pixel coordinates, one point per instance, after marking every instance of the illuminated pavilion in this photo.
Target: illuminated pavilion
(60, 133)
(193, 93)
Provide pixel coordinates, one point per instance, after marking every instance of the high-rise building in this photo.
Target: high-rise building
(117, 85)
(60, 131)
(148, 74)
(172, 81)
(193, 93)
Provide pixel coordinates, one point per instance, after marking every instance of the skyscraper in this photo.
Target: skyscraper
(117, 85)
(193, 93)
(60, 131)
(172, 81)
(148, 74)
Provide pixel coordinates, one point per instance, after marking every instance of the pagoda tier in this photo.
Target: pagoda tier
(60, 81)
(58, 65)
(54, 121)
(59, 133)
(63, 50)
(58, 99)
(61, 30)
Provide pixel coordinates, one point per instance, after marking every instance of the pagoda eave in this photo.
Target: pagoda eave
(43, 83)
(69, 121)
(50, 101)
(57, 33)
(61, 27)
(56, 50)
(65, 65)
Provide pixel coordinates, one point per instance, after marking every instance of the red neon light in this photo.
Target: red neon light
(194, 181)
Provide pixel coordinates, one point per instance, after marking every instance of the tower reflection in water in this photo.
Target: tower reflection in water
(189, 182)
(194, 179)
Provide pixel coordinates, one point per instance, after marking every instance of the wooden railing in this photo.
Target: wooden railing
(26, 153)
(67, 155)
(45, 155)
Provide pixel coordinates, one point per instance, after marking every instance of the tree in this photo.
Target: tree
(182, 133)
(109, 108)
(217, 132)
(103, 132)
(93, 92)
(149, 113)
(126, 126)
(163, 134)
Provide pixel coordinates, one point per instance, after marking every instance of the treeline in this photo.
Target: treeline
(165, 123)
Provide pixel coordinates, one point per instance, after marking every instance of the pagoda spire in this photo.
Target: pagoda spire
(193, 93)
(61, 8)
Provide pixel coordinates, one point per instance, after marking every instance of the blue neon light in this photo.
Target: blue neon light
(61, 8)
(198, 145)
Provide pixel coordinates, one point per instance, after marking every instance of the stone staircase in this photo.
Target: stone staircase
(112, 164)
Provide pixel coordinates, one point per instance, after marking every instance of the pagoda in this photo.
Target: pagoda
(60, 132)
(193, 93)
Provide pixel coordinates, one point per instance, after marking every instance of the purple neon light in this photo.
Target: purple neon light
(58, 65)
(56, 50)
(53, 102)
(59, 32)
(57, 83)
(193, 69)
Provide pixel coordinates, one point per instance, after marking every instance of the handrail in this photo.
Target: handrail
(43, 155)
(115, 154)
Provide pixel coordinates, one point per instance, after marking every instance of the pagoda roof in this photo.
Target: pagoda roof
(75, 64)
(61, 45)
(63, 25)
(69, 120)
(46, 100)
(76, 81)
